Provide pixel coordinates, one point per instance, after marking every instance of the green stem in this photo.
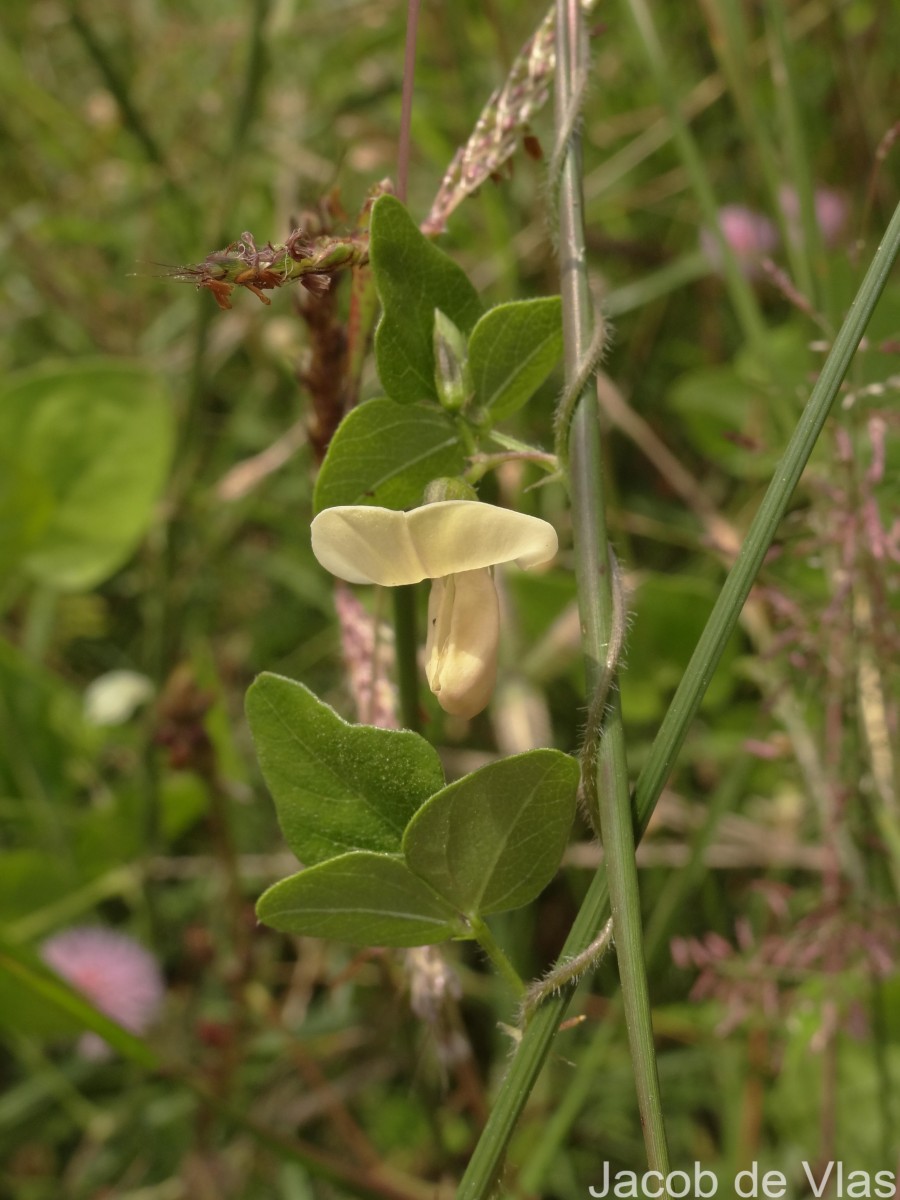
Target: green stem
(492, 949)
(117, 83)
(406, 105)
(541, 457)
(808, 259)
(247, 105)
(538, 1037)
(600, 622)
(407, 649)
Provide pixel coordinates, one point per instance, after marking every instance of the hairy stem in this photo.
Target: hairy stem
(605, 784)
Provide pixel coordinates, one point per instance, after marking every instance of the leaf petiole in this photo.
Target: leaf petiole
(485, 939)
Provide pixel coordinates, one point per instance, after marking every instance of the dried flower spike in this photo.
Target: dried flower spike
(503, 121)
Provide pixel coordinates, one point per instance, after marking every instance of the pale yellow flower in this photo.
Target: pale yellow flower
(456, 543)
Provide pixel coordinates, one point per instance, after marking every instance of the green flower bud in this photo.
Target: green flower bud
(451, 371)
(448, 488)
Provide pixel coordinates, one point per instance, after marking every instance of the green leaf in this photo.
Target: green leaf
(26, 507)
(336, 787)
(788, 361)
(364, 898)
(739, 414)
(30, 879)
(385, 453)
(413, 278)
(719, 413)
(494, 840)
(97, 440)
(513, 349)
(667, 615)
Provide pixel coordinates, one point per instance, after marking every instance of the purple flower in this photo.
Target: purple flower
(750, 235)
(114, 972)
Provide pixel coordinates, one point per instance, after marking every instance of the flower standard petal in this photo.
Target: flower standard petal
(463, 535)
(365, 544)
(463, 638)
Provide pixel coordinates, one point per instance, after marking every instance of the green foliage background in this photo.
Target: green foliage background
(139, 138)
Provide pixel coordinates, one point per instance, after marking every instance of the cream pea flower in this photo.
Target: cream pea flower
(455, 543)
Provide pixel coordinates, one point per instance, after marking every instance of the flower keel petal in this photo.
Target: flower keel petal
(463, 638)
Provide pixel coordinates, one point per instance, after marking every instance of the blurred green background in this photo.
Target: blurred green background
(138, 138)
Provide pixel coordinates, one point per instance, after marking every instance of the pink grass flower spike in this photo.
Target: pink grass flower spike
(114, 972)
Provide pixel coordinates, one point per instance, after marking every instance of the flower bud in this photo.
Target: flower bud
(448, 487)
(451, 371)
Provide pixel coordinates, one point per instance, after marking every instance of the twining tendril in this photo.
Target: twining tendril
(566, 972)
(565, 409)
(596, 715)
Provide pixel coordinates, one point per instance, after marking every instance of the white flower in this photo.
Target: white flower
(455, 543)
(114, 698)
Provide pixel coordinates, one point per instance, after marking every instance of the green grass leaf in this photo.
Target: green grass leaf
(493, 840)
(413, 278)
(336, 787)
(385, 453)
(513, 349)
(363, 898)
